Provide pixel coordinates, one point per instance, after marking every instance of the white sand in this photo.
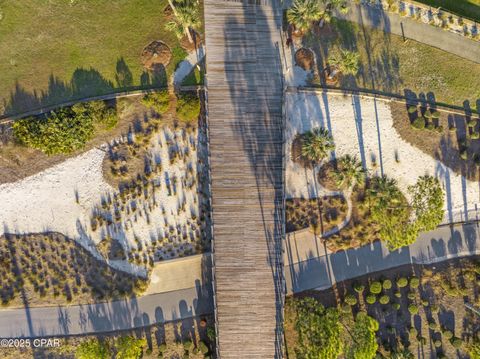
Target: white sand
(47, 201)
(353, 124)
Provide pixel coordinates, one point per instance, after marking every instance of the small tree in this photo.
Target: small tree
(187, 19)
(319, 330)
(427, 202)
(364, 344)
(130, 348)
(92, 349)
(317, 144)
(303, 13)
(349, 172)
(347, 62)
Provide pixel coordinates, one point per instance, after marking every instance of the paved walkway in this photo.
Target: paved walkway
(309, 266)
(180, 290)
(245, 129)
(374, 16)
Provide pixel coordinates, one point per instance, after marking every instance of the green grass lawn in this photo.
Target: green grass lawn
(52, 51)
(388, 64)
(467, 8)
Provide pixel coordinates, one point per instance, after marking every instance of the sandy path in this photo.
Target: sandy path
(364, 127)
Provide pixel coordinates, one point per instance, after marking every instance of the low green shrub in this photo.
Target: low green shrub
(375, 287)
(158, 101)
(188, 107)
(414, 282)
(412, 332)
(419, 123)
(425, 303)
(203, 347)
(371, 299)
(463, 154)
(359, 288)
(350, 299)
(398, 294)
(396, 306)
(387, 284)
(437, 343)
(346, 308)
(411, 295)
(475, 135)
(447, 334)
(412, 109)
(384, 299)
(413, 309)
(456, 342)
(432, 325)
(402, 282)
(435, 308)
(430, 126)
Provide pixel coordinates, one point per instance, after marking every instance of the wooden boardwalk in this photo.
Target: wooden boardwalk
(244, 85)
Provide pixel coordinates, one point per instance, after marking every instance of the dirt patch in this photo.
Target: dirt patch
(319, 214)
(154, 54)
(452, 134)
(305, 59)
(440, 298)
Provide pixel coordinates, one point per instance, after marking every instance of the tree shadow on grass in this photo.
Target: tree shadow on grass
(84, 83)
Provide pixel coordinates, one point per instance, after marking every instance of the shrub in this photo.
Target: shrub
(92, 349)
(202, 346)
(435, 308)
(387, 284)
(384, 299)
(435, 114)
(447, 334)
(437, 343)
(427, 114)
(188, 345)
(402, 282)
(158, 101)
(396, 306)
(432, 325)
(430, 126)
(456, 342)
(359, 288)
(188, 107)
(130, 348)
(412, 332)
(413, 309)
(375, 287)
(419, 123)
(463, 154)
(412, 109)
(371, 299)
(345, 308)
(425, 303)
(411, 295)
(439, 128)
(414, 282)
(350, 299)
(398, 294)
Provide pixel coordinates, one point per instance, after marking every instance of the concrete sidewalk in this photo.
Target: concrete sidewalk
(180, 290)
(376, 17)
(309, 266)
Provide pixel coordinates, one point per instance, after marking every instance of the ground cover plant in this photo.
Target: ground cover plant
(188, 338)
(71, 62)
(418, 309)
(387, 63)
(453, 139)
(319, 214)
(51, 268)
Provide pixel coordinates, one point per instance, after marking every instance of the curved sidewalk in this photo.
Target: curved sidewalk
(184, 293)
(376, 17)
(310, 266)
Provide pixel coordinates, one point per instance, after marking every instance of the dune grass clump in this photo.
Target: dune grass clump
(188, 107)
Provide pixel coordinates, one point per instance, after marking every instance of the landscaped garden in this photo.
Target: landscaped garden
(431, 310)
(386, 62)
(467, 8)
(62, 50)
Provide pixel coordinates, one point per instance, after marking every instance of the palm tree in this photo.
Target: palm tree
(347, 62)
(303, 13)
(317, 144)
(349, 172)
(186, 21)
(385, 193)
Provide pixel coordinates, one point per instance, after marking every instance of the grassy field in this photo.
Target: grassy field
(389, 64)
(51, 51)
(467, 8)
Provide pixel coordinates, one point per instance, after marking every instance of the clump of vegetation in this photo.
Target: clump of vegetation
(158, 101)
(93, 348)
(186, 21)
(58, 270)
(349, 172)
(66, 130)
(316, 145)
(345, 61)
(188, 107)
